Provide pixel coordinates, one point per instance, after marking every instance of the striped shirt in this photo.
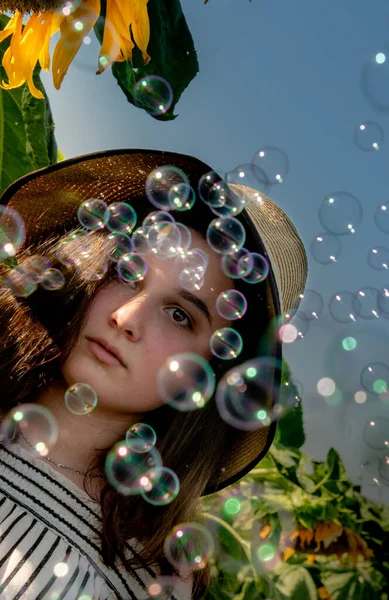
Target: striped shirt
(49, 539)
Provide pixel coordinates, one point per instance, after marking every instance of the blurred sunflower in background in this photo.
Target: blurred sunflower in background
(126, 24)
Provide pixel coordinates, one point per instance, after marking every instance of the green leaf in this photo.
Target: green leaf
(172, 51)
(296, 583)
(249, 592)
(27, 139)
(305, 474)
(287, 457)
(354, 584)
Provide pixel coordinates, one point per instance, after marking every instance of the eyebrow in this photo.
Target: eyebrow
(196, 301)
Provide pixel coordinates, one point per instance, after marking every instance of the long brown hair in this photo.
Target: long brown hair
(42, 328)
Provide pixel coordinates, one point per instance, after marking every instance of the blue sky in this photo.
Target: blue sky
(285, 73)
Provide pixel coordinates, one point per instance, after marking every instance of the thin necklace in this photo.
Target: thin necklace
(59, 464)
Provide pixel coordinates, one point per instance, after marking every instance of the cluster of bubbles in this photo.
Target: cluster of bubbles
(186, 381)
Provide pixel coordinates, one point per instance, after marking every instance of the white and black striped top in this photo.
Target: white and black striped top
(49, 532)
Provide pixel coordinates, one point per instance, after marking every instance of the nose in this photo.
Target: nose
(131, 316)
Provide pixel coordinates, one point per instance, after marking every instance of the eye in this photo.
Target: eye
(177, 324)
(189, 325)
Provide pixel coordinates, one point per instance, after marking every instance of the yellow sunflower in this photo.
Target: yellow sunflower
(125, 23)
(327, 539)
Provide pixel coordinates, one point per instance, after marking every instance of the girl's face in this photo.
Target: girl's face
(147, 325)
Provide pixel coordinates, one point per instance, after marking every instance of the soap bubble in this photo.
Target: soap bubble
(139, 241)
(293, 326)
(226, 234)
(52, 279)
(259, 267)
(20, 281)
(376, 433)
(191, 267)
(12, 232)
(93, 214)
(311, 303)
(181, 197)
(340, 213)
(366, 303)
(223, 202)
(140, 437)
(233, 266)
(122, 218)
(164, 239)
(157, 216)
(369, 136)
(325, 248)
(375, 378)
(154, 94)
(189, 545)
(36, 265)
(381, 217)
(186, 381)
(118, 245)
(125, 468)
(33, 421)
(160, 486)
(242, 395)
(247, 174)
(206, 187)
(273, 165)
(231, 305)
(226, 343)
(80, 399)
(65, 246)
(161, 181)
(132, 267)
(341, 307)
(375, 80)
(378, 258)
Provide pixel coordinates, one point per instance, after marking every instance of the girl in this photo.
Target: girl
(67, 531)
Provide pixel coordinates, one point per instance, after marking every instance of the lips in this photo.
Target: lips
(109, 348)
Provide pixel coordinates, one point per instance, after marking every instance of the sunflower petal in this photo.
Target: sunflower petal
(33, 39)
(110, 47)
(141, 28)
(123, 29)
(44, 55)
(10, 27)
(73, 30)
(11, 59)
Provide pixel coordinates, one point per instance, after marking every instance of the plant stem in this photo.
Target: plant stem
(245, 545)
(261, 471)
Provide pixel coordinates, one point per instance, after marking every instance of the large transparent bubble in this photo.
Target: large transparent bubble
(242, 395)
(80, 399)
(140, 437)
(189, 545)
(125, 469)
(225, 235)
(93, 214)
(122, 218)
(35, 423)
(160, 486)
(161, 181)
(186, 381)
(12, 232)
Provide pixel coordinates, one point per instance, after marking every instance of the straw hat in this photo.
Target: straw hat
(48, 201)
